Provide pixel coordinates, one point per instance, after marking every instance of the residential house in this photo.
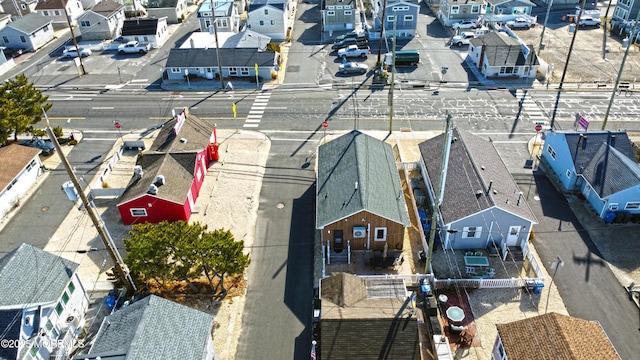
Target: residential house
(152, 31)
(482, 206)
(133, 8)
(404, 13)
(168, 177)
(273, 18)
(202, 63)
(367, 319)
(29, 32)
(359, 199)
(174, 10)
(599, 164)
(21, 167)
(509, 7)
(245, 39)
(5, 19)
(154, 327)
(453, 11)
(18, 8)
(624, 14)
(338, 15)
(88, 4)
(43, 304)
(54, 10)
(498, 55)
(552, 336)
(103, 21)
(226, 14)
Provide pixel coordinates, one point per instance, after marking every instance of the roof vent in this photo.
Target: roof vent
(159, 180)
(153, 190)
(478, 193)
(137, 171)
(183, 140)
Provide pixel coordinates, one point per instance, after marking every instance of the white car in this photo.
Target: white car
(519, 23)
(72, 53)
(353, 68)
(589, 21)
(466, 24)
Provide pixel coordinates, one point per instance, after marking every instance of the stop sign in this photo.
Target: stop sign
(325, 124)
(116, 124)
(538, 127)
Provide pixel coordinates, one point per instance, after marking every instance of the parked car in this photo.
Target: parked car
(466, 24)
(11, 53)
(72, 53)
(133, 47)
(463, 38)
(589, 21)
(403, 58)
(46, 146)
(350, 41)
(353, 34)
(353, 51)
(519, 23)
(353, 68)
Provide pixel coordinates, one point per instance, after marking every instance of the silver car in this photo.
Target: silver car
(72, 53)
(353, 68)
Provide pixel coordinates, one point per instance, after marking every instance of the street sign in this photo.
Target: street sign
(538, 127)
(584, 123)
(325, 124)
(116, 124)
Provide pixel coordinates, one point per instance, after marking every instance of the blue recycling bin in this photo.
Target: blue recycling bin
(538, 287)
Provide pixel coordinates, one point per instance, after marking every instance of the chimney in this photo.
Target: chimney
(193, 45)
(356, 186)
(612, 141)
(584, 141)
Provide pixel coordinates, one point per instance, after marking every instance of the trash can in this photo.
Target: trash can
(538, 287)
(530, 285)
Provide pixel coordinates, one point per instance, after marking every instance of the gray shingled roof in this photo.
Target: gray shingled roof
(511, 3)
(29, 23)
(30, 276)
(503, 50)
(610, 172)
(196, 131)
(357, 158)
(133, 27)
(589, 143)
(474, 163)
(154, 327)
(194, 57)
(257, 4)
(107, 8)
(339, 2)
(161, 4)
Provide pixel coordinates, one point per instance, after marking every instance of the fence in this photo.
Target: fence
(97, 189)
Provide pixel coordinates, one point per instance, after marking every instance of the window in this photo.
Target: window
(621, 13)
(56, 12)
(5, 39)
(23, 39)
(233, 71)
(475, 9)
(568, 173)
(49, 325)
(59, 309)
(632, 206)
(175, 70)
(339, 7)
(551, 152)
(471, 232)
(408, 18)
(266, 11)
(85, 23)
(31, 165)
(400, 8)
(390, 18)
(54, 334)
(222, 23)
(261, 22)
(381, 234)
(244, 71)
(613, 206)
(138, 212)
(71, 287)
(331, 13)
(273, 22)
(65, 298)
(348, 12)
(455, 9)
(45, 13)
(33, 351)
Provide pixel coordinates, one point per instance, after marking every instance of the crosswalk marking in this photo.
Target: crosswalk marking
(257, 110)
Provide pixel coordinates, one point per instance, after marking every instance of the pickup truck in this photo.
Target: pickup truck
(133, 47)
(353, 51)
(463, 38)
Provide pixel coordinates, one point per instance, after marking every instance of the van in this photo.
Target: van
(403, 58)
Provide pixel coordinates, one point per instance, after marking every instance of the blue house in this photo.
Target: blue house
(404, 13)
(509, 7)
(599, 164)
(482, 206)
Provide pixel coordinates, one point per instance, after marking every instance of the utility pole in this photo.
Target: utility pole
(384, 10)
(558, 264)
(544, 27)
(632, 37)
(393, 73)
(573, 39)
(435, 204)
(604, 32)
(121, 268)
(215, 31)
(75, 42)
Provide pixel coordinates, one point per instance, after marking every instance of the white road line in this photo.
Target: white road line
(253, 120)
(256, 112)
(250, 125)
(139, 80)
(510, 142)
(254, 116)
(102, 108)
(98, 139)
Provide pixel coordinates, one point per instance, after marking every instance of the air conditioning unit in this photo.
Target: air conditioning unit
(359, 232)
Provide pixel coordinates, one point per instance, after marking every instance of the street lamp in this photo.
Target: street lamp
(555, 265)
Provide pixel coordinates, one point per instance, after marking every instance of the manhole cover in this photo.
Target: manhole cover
(44, 208)
(280, 205)
(293, 68)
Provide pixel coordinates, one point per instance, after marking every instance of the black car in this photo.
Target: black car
(353, 34)
(350, 41)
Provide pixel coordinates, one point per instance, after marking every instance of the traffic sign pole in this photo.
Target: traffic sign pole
(116, 123)
(325, 125)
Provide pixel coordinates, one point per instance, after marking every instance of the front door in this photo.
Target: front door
(338, 241)
(512, 238)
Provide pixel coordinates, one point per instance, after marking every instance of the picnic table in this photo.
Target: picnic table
(482, 261)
